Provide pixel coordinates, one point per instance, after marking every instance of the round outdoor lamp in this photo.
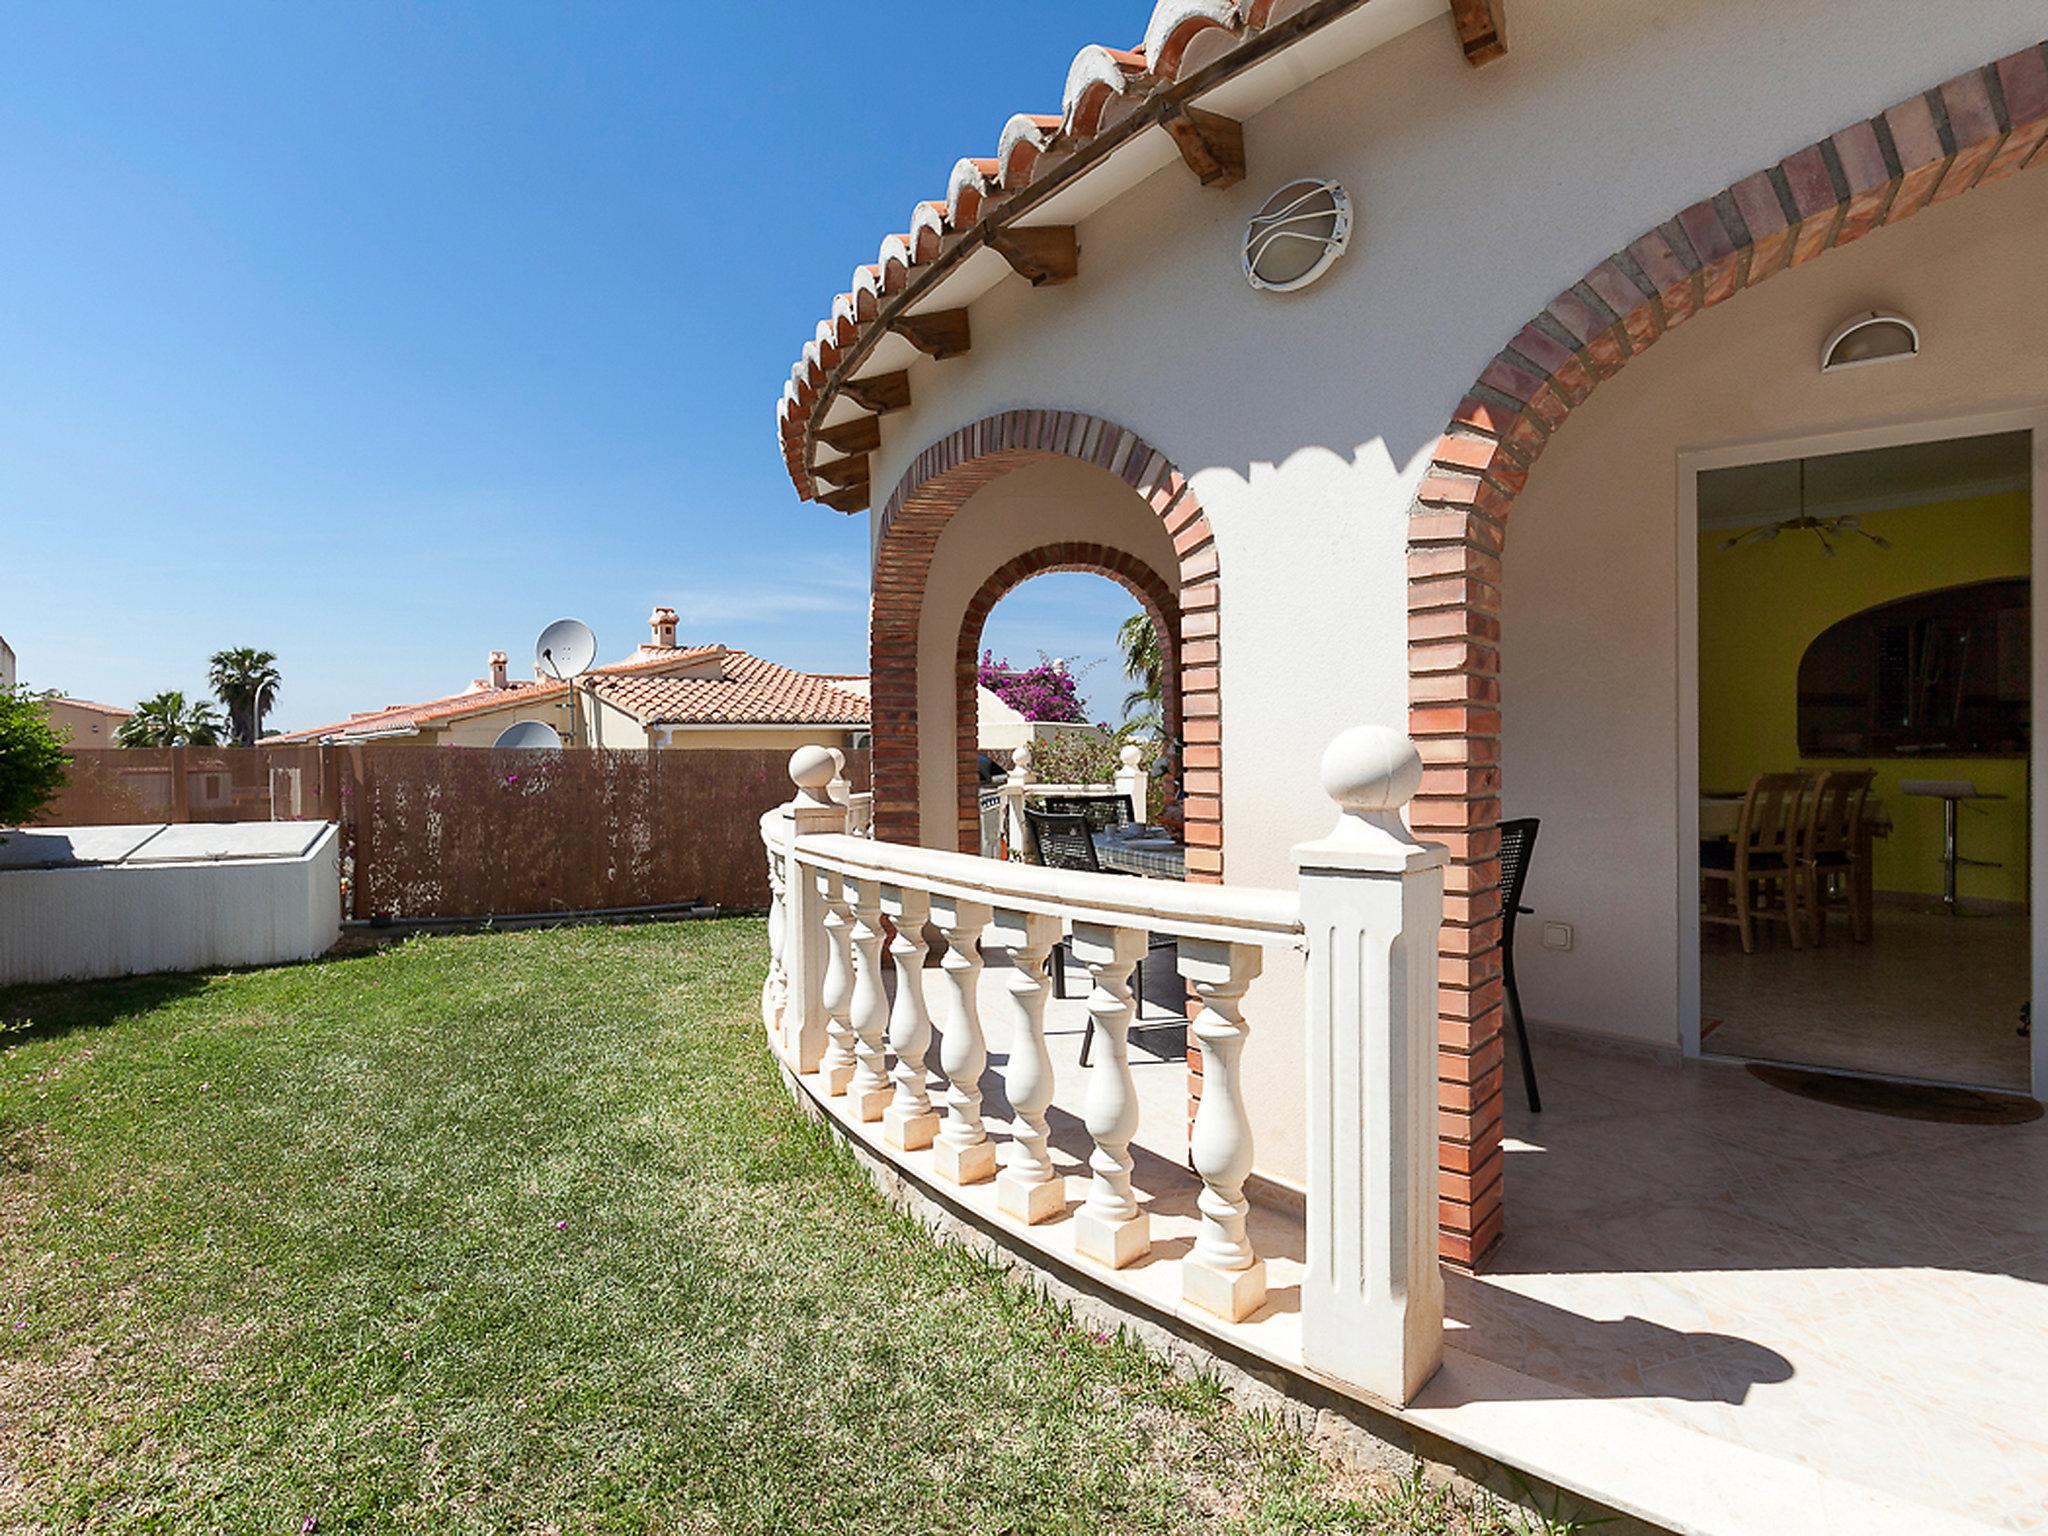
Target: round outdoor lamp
(1872, 337)
(1297, 236)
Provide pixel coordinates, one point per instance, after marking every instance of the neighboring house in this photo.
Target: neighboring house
(1451, 480)
(86, 724)
(663, 696)
(6, 664)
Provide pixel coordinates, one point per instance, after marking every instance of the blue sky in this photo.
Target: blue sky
(379, 335)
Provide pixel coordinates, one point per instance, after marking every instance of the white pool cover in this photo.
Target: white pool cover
(78, 902)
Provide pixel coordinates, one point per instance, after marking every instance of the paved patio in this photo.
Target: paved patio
(1717, 1304)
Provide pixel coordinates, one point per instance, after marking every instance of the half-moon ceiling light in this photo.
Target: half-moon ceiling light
(1295, 238)
(1872, 337)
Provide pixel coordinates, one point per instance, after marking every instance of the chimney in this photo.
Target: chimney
(663, 622)
(498, 663)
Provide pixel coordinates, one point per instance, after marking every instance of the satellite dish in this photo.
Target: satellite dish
(530, 735)
(565, 649)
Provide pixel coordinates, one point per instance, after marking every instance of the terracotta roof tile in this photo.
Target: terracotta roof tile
(1103, 85)
(751, 691)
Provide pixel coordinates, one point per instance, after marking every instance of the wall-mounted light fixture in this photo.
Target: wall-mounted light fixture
(1871, 337)
(1295, 238)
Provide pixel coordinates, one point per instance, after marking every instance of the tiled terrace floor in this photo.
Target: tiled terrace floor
(1720, 1304)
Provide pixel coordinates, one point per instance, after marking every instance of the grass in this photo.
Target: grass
(519, 1232)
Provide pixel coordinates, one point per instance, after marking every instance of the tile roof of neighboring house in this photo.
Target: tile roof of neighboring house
(397, 718)
(749, 691)
(739, 690)
(1111, 95)
(98, 709)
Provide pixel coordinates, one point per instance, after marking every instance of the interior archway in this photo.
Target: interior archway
(986, 508)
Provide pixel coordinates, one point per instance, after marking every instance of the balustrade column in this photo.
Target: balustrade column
(909, 1122)
(804, 938)
(1372, 1300)
(962, 1153)
(775, 986)
(1019, 778)
(1111, 1227)
(1028, 1188)
(1222, 1275)
(869, 1089)
(838, 1062)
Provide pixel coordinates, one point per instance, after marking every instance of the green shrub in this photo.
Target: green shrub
(32, 760)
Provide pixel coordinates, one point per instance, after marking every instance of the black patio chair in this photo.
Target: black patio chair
(1102, 812)
(1065, 840)
(1517, 842)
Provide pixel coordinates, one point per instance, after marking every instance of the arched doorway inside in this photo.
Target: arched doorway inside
(1041, 658)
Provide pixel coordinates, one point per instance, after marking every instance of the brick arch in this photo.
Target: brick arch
(1127, 571)
(937, 484)
(1977, 128)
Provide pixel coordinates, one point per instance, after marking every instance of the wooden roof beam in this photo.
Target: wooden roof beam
(852, 498)
(1041, 253)
(880, 393)
(843, 472)
(938, 334)
(863, 434)
(1210, 143)
(1482, 29)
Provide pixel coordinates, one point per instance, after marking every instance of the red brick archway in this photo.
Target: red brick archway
(1127, 571)
(1977, 128)
(935, 486)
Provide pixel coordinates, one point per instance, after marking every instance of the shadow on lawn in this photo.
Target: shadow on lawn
(53, 1010)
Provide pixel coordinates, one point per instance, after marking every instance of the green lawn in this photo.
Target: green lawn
(520, 1232)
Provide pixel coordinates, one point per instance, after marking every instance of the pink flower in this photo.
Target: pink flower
(561, 1226)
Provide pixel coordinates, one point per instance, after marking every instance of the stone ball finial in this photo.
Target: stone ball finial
(1371, 770)
(1129, 754)
(1021, 758)
(811, 769)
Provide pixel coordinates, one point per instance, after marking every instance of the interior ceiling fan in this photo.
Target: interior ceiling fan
(1826, 529)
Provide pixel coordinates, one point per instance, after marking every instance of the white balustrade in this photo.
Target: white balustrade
(909, 1122)
(836, 1066)
(811, 813)
(1015, 783)
(1223, 1275)
(1111, 1227)
(1366, 912)
(1372, 1303)
(1130, 781)
(775, 986)
(962, 1152)
(870, 1088)
(1028, 1188)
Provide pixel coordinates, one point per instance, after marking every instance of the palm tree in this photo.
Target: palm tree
(1137, 639)
(246, 681)
(168, 721)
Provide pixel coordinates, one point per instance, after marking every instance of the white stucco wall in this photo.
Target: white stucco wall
(1304, 421)
(1481, 193)
(1590, 641)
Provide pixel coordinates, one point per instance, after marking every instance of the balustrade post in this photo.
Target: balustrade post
(1028, 1188)
(1130, 778)
(909, 1122)
(804, 941)
(869, 1089)
(962, 1153)
(775, 986)
(1019, 779)
(1222, 1275)
(1371, 905)
(838, 1062)
(1111, 1227)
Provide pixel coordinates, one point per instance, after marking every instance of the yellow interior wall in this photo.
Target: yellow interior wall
(1761, 605)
